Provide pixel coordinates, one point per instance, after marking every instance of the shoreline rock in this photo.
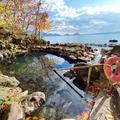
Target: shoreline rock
(12, 98)
(71, 52)
(115, 51)
(8, 55)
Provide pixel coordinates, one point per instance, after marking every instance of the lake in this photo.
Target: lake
(98, 39)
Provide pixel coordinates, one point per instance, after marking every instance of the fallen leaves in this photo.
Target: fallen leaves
(83, 116)
(34, 118)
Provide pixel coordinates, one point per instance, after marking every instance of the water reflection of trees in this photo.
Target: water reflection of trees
(31, 70)
(34, 75)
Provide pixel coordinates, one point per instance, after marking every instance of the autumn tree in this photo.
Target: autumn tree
(32, 13)
(21, 14)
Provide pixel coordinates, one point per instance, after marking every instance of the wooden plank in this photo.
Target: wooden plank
(79, 67)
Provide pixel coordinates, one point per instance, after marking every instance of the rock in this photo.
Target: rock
(33, 101)
(103, 51)
(72, 57)
(9, 54)
(108, 53)
(9, 95)
(69, 74)
(30, 86)
(95, 49)
(73, 53)
(16, 112)
(102, 59)
(115, 51)
(80, 83)
(1, 57)
(5, 55)
(8, 81)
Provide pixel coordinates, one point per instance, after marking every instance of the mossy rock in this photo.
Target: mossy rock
(10, 95)
(8, 81)
(6, 93)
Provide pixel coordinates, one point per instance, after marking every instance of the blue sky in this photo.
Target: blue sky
(84, 16)
(81, 3)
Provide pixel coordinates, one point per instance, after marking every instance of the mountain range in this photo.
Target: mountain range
(72, 34)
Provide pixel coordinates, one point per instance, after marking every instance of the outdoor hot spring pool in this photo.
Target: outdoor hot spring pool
(34, 75)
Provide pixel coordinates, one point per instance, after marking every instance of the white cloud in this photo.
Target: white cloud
(62, 9)
(59, 19)
(100, 9)
(87, 19)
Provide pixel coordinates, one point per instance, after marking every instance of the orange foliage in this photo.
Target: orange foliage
(43, 23)
(22, 14)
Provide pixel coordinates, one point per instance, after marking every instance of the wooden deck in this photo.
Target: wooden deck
(102, 109)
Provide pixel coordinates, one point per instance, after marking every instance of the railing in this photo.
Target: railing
(74, 68)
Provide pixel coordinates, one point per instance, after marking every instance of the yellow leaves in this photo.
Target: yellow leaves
(2, 23)
(2, 9)
(6, 21)
(5, 16)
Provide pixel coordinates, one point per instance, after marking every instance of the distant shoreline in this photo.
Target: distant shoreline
(75, 34)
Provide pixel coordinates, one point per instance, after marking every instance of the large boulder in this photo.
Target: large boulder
(28, 104)
(33, 101)
(16, 112)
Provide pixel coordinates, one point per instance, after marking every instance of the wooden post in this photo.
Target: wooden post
(89, 75)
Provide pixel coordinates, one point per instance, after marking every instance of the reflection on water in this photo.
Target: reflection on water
(58, 62)
(34, 73)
